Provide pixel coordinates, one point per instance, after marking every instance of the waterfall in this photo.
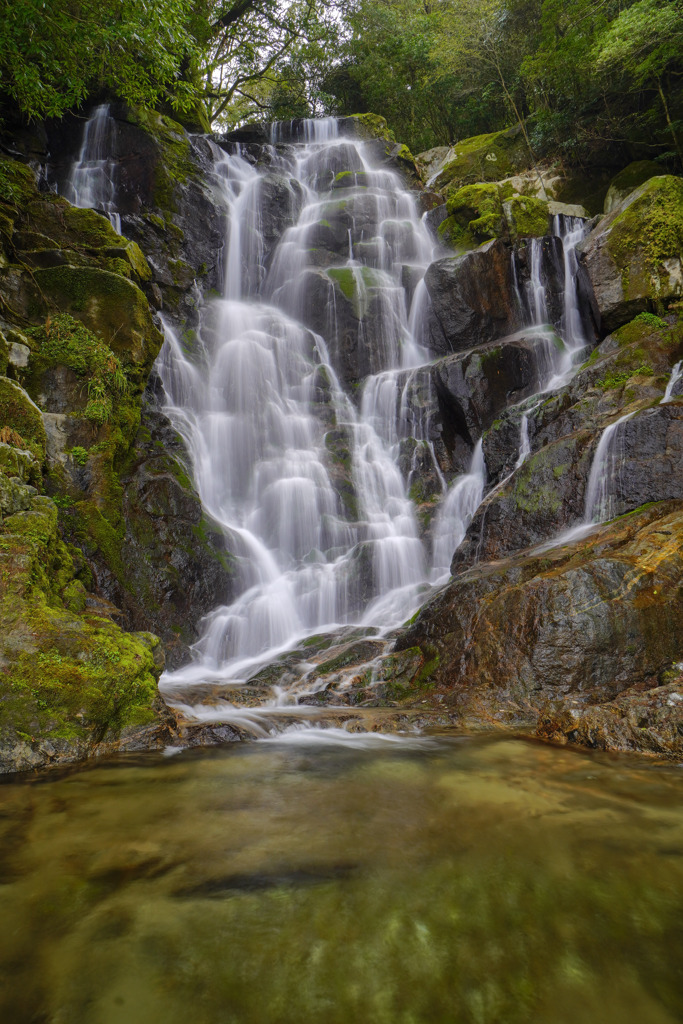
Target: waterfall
(524, 442)
(571, 230)
(91, 183)
(607, 464)
(268, 421)
(455, 514)
(676, 374)
(555, 349)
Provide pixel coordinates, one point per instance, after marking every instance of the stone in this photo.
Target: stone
(20, 413)
(526, 217)
(634, 257)
(485, 158)
(580, 625)
(627, 180)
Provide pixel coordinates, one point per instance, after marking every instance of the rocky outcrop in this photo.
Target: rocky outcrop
(167, 195)
(627, 181)
(475, 298)
(535, 502)
(116, 548)
(489, 157)
(478, 213)
(634, 257)
(176, 564)
(578, 624)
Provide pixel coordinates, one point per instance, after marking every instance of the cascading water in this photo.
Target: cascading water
(91, 183)
(676, 374)
(245, 402)
(263, 401)
(455, 514)
(608, 462)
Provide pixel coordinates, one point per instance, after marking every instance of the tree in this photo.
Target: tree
(641, 45)
(54, 54)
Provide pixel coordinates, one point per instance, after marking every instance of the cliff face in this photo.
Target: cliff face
(108, 560)
(103, 535)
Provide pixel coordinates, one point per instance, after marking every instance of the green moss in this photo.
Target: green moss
(109, 305)
(633, 175)
(373, 126)
(63, 341)
(526, 217)
(405, 154)
(17, 182)
(475, 216)
(19, 413)
(645, 234)
(354, 284)
(485, 158)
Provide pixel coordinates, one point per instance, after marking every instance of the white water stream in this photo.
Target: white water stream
(92, 182)
(245, 403)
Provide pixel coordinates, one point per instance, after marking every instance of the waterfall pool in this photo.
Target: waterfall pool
(444, 879)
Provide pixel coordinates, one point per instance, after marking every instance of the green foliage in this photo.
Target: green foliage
(53, 55)
(79, 455)
(592, 79)
(64, 341)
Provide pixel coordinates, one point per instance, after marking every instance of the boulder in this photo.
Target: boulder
(472, 299)
(354, 311)
(480, 296)
(485, 158)
(20, 414)
(627, 180)
(581, 624)
(634, 257)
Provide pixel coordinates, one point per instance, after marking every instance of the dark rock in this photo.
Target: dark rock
(587, 621)
(177, 564)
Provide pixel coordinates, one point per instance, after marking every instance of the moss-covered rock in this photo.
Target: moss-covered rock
(367, 126)
(111, 306)
(475, 216)
(628, 179)
(634, 257)
(4, 354)
(485, 158)
(67, 678)
(526, 217)
(20, 413)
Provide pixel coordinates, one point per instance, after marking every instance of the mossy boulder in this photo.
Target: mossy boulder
(475, 215)
(634, 257)
(68, 678)
(486, 210)
(111, 306)
(526, 217)
(366, 126)
(628, 179)
(19, 413)
(485, 158)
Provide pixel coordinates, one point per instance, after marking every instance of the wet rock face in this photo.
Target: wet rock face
(587, 622)
(480, 296)
(165, 195)
(535, 502)
(179, 568)
(471, 299)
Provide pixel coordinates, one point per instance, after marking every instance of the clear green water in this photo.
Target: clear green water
(464, 881)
